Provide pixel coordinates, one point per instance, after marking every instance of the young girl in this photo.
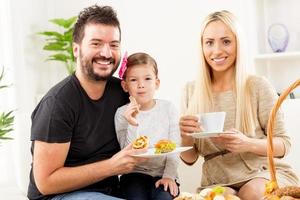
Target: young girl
(234, 160)
(157, 119)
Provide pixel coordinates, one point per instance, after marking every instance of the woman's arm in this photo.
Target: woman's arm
(267, 98)
(189, 124)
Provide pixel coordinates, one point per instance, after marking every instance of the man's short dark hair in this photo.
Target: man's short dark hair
(94, 15)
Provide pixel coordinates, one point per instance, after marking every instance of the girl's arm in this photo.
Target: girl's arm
(174, 135)
(121, 126)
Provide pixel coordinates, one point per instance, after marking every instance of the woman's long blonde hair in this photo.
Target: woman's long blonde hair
(202, 98)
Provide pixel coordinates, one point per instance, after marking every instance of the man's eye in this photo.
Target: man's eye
(115, 46)
(95, 44)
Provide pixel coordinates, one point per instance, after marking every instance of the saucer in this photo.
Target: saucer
(210, 134)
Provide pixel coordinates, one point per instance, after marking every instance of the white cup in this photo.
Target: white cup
(213, 121)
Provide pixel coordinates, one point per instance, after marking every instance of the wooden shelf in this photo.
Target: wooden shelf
(278, 56)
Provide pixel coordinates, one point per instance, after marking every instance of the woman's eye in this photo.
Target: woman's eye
(227, 42)
(209, 43)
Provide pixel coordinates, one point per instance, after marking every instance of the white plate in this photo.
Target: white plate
(209, 134)
(151, 152)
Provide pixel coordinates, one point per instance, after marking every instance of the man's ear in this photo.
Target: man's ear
(124, 86)
(157, 83)
(76, 50)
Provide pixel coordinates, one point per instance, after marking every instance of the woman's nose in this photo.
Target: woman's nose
(218, 48)
(105, 51)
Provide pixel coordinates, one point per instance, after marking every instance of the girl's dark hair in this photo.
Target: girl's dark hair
(141, 59)
(94, 15)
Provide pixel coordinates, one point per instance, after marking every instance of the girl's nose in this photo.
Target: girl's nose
(105, 51)
(140, 84)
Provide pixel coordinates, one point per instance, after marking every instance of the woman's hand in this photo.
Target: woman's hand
(168, 183)
(236, 142)
(131, 112)
(188, 124)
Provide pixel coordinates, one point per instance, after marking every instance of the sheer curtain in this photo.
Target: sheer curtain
(7, 97)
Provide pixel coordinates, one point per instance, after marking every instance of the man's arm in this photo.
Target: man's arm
(52, 177)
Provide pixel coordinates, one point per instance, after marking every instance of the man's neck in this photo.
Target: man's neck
(94, 89)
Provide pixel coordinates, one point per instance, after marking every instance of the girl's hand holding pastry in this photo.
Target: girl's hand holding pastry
(131, 111)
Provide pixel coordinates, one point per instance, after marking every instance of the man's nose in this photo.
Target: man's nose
(105, 51)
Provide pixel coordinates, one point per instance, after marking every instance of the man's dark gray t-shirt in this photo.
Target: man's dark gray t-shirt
(67, 114)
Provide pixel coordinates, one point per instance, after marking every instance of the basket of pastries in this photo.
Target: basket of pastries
(272, 190)
(216, 193)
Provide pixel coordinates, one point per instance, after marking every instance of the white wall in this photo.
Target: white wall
(291, 110)
(168, 30)
(7, 100)
(281, 72)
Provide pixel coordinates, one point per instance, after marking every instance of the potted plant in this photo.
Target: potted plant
(61, 42)
(6, 118)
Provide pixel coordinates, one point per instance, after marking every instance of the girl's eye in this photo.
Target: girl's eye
(132, 80)
(148, 78)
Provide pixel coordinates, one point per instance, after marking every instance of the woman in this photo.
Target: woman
(237, 160)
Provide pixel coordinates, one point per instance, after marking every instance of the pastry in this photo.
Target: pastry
(141, 142)
(132, 100)
(164, 146)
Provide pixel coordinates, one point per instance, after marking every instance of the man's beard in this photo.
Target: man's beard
(88, 70)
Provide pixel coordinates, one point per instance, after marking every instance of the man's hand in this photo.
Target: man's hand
(124, 161)
(168, 183)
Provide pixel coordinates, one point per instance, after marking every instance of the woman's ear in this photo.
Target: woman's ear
(157, 83)
(124, 86)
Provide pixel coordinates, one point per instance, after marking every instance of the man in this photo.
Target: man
(74, 145)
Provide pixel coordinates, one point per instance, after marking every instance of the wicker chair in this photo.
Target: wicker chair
(273, 192)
